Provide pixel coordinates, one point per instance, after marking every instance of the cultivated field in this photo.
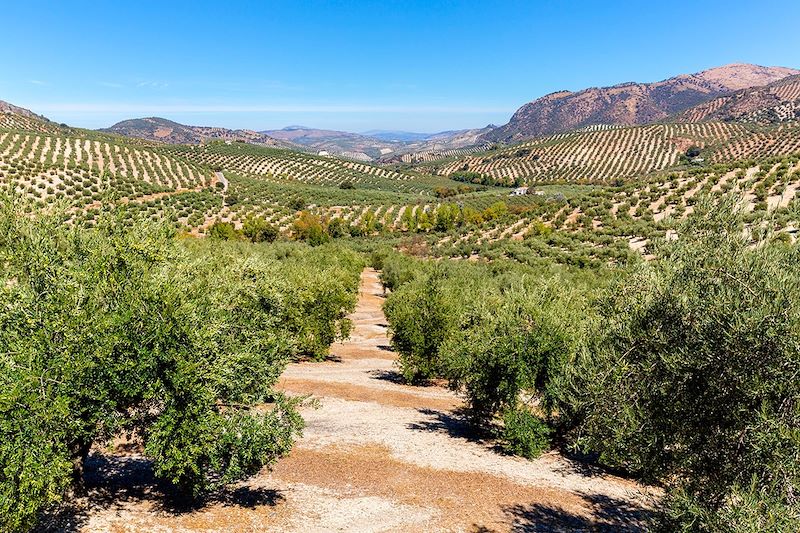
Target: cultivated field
(604, 155)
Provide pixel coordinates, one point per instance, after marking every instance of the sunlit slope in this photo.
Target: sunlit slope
(622, 153)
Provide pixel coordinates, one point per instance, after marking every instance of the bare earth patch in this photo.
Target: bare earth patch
(378, 455)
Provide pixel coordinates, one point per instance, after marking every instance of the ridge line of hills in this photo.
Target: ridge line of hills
(738, 93)
(731, 93)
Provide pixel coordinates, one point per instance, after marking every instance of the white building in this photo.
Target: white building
(519, 191)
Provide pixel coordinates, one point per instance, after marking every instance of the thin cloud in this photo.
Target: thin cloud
(38, 82)
(216, 108)
(153, 84)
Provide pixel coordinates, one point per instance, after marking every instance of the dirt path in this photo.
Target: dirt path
(220, 178)
(381, 456)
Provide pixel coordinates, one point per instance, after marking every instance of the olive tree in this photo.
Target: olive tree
(113, 330)
(693, 380)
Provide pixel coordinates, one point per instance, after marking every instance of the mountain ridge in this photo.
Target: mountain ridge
(776, 102)
(382, 145)
(170, 132)
(631, 103)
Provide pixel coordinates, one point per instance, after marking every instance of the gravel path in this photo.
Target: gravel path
(378, 455)
(372, 437)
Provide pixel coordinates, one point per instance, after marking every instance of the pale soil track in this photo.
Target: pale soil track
(377, 455)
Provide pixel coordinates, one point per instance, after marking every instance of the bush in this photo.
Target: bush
(338, 227)
(524, 433)
(320, 298)
(420, 316)
(507, 356)
(225, 231)
(398, 269)
(123, 330)
(309, 227)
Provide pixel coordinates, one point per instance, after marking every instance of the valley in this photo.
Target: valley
(585, 319)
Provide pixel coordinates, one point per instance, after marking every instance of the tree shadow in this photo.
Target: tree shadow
(385, 347)
(391, 376)
(604, 515)
(455, 423)
(327, 358)
(582, 464)
(111, 481)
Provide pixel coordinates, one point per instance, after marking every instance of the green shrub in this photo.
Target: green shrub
(309, 227)
(398, 269)
(524, 433)
(225, 231)
(508, 352)
(421, 314)
(122, 329)
(338, 227)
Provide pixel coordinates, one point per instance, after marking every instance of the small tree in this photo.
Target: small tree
(258, 229)
(223, 230)
(309, 227)
(506, 356)
(420, 318)
(338, 227)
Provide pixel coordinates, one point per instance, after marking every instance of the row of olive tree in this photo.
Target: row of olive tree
(494, 331)
(123, 330)
(685, 372)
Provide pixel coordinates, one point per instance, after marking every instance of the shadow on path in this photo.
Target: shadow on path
(603, 515)
(113, 481)
(391, 376)
(456, 424)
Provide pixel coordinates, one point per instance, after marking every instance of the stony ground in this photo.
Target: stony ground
(376, 455)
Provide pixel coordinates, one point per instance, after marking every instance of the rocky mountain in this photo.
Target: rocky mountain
(631, 103)
(167, 131)
(776, 102)
(12, 109)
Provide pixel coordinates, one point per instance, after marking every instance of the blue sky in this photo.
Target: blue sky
(414, 65)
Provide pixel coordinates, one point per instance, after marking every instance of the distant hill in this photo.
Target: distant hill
(167, 131)
(777, 102)
(336, 142)
(618, 153)
(399, 136)
(379, 144)
(631, 103)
